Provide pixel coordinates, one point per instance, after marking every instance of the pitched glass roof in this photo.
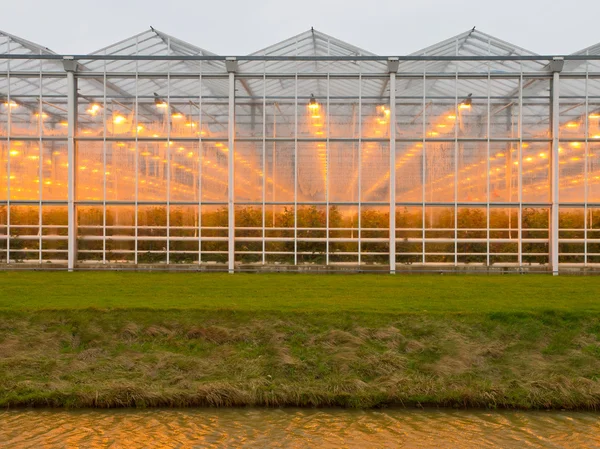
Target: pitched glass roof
(312, 43)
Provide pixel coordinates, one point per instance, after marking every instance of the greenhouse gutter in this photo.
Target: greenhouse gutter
(548, 58)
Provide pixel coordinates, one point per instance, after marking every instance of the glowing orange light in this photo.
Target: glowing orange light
(11, 104)
(452, 117)
(93, 109)
(313, 105)
(140, 128)
(542, 155)
(14, 153)
(464, 106)
(177, 116)
(575, 144)
(572, 125)
(119, 119)
(594, 116)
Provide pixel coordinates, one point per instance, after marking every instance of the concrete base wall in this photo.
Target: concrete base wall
(313, 268)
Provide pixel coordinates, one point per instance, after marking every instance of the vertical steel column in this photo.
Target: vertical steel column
(200, 162)
(487, 169)
(456, 154)
(327, 172)
(520, 174)
(264, 164)
(70, 66)
(231, 65)
(40, 168)
(359, 174)
(424, 173)
(295, 163)
(168, 151)
(556, 67)
(327, 163)
(393, 64)
(136, 207)
(586, 184)
(8, 136)
(104, 183)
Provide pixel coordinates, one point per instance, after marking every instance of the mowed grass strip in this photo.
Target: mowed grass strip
(27, 290)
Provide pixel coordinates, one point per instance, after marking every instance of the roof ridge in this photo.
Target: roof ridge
(114, 44)
(27, 43)
(182, 42)
(468, 34)
(312, 32)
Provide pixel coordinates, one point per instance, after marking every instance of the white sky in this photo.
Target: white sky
(238, 27)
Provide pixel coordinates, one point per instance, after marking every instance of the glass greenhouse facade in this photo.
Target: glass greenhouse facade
(471, 154)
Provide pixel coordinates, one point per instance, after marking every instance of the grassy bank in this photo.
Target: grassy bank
(135, 339)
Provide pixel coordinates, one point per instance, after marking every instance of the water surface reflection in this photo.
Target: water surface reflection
(296, 428)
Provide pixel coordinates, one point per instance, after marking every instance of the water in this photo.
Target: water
(294, 428)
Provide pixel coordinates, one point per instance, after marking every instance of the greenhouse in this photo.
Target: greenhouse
(472, 154)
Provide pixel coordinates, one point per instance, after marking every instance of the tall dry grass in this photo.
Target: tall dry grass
(137, 358)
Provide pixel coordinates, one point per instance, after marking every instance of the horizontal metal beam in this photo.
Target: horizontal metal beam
(312, 75)
(287, 203)
(97, 57)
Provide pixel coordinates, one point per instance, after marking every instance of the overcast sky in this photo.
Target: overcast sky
(238, 27)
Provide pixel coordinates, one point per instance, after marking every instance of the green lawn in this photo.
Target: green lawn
(300, 292)
(114, 339)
